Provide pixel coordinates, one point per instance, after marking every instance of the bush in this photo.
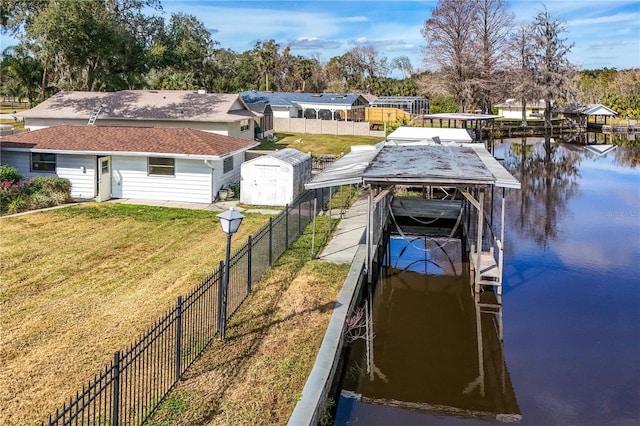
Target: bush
(51, 184)
(39, 193)
(18, 204)
(11, 191)
(40, 200)
(9, 174)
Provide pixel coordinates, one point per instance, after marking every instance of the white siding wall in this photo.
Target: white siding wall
(67, 166)
(224, 180)
(191, 183)
(284, 112)
(81, 171)
(266, 181)
(19, 160)
(513, 114)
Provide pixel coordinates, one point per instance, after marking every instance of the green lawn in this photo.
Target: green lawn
(319, 144)
(81, 282)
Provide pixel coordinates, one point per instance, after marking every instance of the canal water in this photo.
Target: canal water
(563, 348)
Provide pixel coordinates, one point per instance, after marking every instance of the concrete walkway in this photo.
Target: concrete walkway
(214, 207)
(349, 233)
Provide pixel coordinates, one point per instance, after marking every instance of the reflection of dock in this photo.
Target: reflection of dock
(441, 323)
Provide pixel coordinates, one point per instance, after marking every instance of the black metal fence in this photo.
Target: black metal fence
(319, 162)
(129, 388)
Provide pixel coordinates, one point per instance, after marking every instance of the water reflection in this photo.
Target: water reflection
(548, 174)
(571, 306)
(436, 347)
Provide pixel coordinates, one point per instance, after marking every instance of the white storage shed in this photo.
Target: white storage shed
(275, 179)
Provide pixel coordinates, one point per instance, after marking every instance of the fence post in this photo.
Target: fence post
(249, 244)
(313, 231)
(220, 296)
(115, 398)
(270, 241)
(286, 226)
(178, 339)
(299, 217)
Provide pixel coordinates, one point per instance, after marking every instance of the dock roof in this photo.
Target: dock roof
(442, 165)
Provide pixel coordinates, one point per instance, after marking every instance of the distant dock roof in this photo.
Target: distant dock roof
(461, 116)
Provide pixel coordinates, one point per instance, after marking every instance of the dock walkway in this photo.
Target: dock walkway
(349, 233)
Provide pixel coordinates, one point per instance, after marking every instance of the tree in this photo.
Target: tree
(450, 36)
(21, 73)
(16, 14)
(95, 51)
(521, 67)
(305, 69)
(185, 47)
(553, 71)
(492, 30)
(403, 64)
(266, 57)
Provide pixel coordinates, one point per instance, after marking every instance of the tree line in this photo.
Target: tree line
(474, 54)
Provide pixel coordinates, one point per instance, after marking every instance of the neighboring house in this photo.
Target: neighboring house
(512, 108)
(263, 126)
(218, 113)
(158, 163)
(324, 106)
(582, 113)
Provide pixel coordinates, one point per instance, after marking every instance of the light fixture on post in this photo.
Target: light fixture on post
(230, 221)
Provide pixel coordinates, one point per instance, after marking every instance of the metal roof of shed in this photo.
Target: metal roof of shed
(288, 155)
(443, 165)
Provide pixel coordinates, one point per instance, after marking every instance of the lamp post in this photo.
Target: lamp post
(388, 119)
(230, 221)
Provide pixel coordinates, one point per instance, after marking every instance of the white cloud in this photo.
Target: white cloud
(631, 18)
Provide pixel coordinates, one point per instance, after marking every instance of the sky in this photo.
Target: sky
(605, 33)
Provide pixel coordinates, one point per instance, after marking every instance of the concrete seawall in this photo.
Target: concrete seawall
(316, 390)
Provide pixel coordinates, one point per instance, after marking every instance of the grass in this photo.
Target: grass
(81, 282)
(257, 375)
(15, 123)
(318, 144)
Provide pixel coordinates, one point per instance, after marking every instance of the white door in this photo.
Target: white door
(104, 178)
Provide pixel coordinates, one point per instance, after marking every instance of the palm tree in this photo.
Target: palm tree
(23, 72)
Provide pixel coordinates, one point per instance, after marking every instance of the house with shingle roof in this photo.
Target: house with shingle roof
(325, 106)
(225, 114)
(150, 163)
(512, 108)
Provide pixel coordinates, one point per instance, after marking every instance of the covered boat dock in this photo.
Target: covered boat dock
(468, 169)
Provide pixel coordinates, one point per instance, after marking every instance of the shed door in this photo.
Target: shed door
(104, 178)
(267, 183)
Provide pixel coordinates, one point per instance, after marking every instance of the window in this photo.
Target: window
(227, 165)
(41, 162)
(244, 125)
(161, 166)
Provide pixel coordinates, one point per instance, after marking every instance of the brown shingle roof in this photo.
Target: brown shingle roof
(182, 105)
(165, 140)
